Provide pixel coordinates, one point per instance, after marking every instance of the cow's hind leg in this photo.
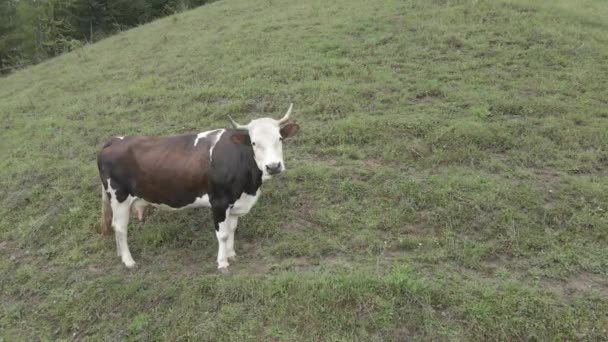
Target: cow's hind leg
(231, 254)
(120, 221)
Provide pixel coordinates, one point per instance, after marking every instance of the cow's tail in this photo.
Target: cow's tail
(105, 223)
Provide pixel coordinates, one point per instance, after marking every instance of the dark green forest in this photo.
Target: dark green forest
(34, 30)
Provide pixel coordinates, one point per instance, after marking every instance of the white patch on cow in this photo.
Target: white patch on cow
(217, 138)
(244, 204)
(214, 139)
(230, 253)
(200, 202)
(223, 235)
(111, 191)
(204, 135)
(120, 221)
(121, 137)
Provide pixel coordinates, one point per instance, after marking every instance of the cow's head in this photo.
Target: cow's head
(266, 136)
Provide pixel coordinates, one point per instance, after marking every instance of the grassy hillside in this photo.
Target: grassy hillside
(449, 182)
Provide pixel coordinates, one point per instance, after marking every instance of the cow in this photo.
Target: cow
(222, 169)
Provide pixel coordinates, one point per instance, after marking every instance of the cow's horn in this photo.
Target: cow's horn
(286, 117)
(236, 125)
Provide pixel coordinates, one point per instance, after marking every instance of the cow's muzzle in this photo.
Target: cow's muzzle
(274, 168)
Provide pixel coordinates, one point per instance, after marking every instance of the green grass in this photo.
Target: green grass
(449, 181)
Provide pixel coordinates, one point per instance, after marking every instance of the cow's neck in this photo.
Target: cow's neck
(254, 181)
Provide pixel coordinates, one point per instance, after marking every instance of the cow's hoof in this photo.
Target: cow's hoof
(130, 264)
(224, 271)
(232, 257)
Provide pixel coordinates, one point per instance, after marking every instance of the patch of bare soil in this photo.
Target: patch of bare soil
(549, 176)
(494, 262)
(530, 93)
(249, 259)
(420, 227)
(10, 250)
(427, 96)
(373, 163)
(424, 99)
(94, 269)
(551, 180)
(577, 282)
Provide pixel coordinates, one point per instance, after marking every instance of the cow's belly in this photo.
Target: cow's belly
(199, 202)
(244, 204)
(241, 207)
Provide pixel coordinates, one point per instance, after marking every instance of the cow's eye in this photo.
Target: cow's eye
(280, 138)
(253, 143)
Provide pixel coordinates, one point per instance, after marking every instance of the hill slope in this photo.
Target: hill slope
(449, 181)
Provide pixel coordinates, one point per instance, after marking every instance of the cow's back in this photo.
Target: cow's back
(162, 170)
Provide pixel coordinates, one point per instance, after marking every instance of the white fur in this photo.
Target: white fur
(267, 145)
(230, 253)
(223, 236)
(244, 204)
(214, 139)
(121, 137)
(199, 202)
(218, 137)
(204, 135)
(120, 222)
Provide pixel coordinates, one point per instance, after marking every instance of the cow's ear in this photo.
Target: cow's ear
(241, 138)
(289, 130)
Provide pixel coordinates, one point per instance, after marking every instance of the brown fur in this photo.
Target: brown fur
(105, 223)
(289, 130)
(167, 170)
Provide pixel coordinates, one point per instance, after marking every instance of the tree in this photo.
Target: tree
(8, 37)
(33, 30)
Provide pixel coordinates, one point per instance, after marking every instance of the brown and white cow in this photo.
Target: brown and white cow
(222, 169)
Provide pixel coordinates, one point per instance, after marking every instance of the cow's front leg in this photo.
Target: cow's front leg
(231, 254)
(221, 221)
